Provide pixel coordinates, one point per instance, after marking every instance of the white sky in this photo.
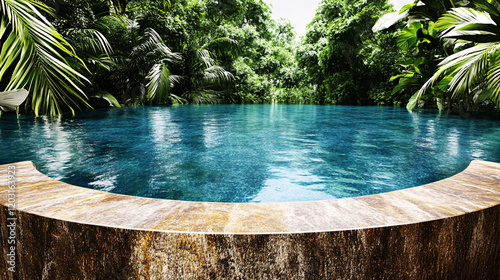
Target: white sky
(301, 12)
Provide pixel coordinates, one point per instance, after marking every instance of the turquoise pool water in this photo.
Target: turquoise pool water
(249, 153)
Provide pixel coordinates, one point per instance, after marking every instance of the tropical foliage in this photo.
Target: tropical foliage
(36, 57)
(472, 73)
(454, 44)
(346, 62)
(76, 54)
(164, 52)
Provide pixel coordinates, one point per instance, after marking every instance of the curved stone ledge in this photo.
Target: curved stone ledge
(444, 230)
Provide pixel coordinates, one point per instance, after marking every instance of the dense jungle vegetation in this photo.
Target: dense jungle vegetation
(82, 54)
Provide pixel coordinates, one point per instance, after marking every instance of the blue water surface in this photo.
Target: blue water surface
(249, 153)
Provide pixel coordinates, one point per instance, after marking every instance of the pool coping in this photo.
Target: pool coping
(474, 189)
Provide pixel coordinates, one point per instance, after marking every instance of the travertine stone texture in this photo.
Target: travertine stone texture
(445, 230)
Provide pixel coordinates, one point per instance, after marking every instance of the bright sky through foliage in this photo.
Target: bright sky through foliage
(301, 12)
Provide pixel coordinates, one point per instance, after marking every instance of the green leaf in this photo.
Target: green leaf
(485, 27)
(159, 84)
(482, 95)
(412, 103)
(400, 76)
(479, 38)
(407, 83)
(432, 29)
(406, 7)
(487, 7)
(443, 84)
(38, 55)
(108, 97)
(408, 36)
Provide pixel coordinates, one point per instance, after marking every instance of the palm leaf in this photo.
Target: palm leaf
(408, 82)
(466, 67)
(459, 21)
(92, 41)
(148, 41)
(222, 45)
(108, 97)
(204, 56)
(38, 52)
(202, 96)
(218, 74)
(480, 28)
(159, 84)
(412, 103)
(490, 8)
(493, 78)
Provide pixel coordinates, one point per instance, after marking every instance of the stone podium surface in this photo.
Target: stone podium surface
(448, 229)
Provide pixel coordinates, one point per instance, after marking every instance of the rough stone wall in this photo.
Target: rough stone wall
(461, 247)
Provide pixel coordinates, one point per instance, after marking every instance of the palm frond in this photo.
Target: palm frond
(38, 52)
(108, 97)
(466, 67)
(468, 24)
(218, 74)
(202, 96)
(92, 41)
(221, 46)
(493, 78)
(492, 8)
(457, 17)
(160, 82)
(148, 41)
(467, 74)
(167, 54)
(103, 61)
(204, 56)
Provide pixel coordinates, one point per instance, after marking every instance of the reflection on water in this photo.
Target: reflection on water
(249, 153)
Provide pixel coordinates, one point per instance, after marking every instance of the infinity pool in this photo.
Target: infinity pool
(249, 153)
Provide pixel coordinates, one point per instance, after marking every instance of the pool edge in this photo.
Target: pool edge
(474, 189)
(458, 240)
